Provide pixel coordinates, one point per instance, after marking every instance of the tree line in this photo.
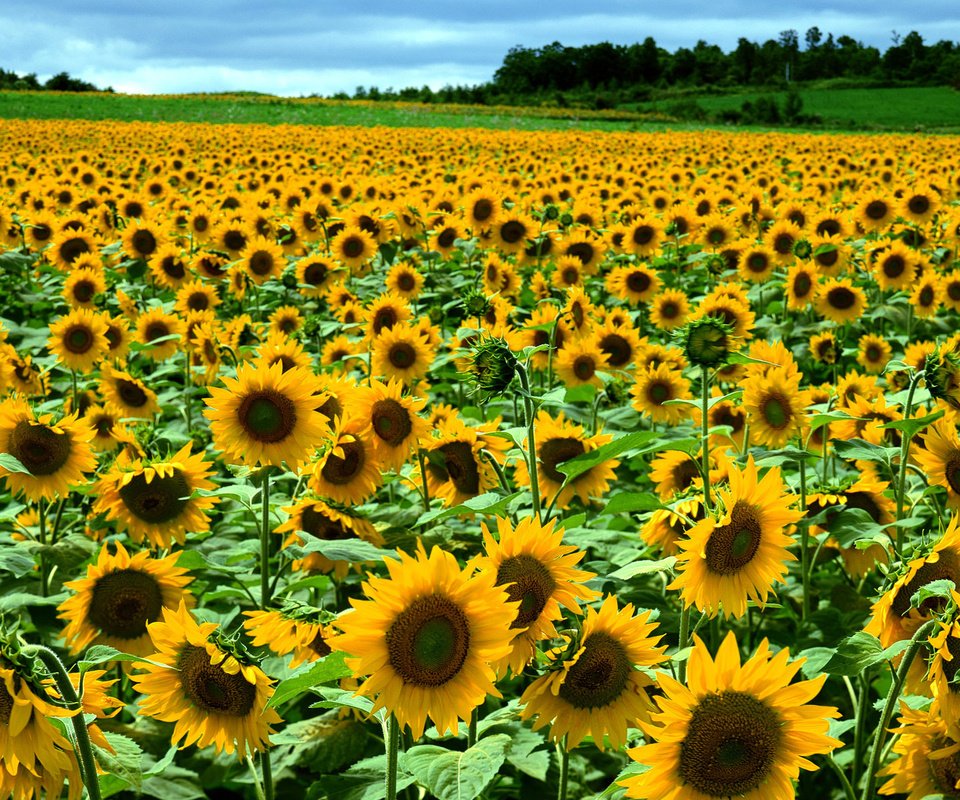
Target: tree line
(61, 82)
(560, 72)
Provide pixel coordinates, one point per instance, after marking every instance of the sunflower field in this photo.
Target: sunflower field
(368, 463)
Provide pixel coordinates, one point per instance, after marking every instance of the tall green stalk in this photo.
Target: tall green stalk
(904, 456)
(84, 750)
(393, 752)
(531, 439)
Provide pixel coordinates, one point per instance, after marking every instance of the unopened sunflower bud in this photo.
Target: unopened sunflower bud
(802, 249)
(707, 342)
(494, 366)
(476, 304)
(941, 371)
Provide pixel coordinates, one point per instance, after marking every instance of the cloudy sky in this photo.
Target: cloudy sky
(290, 47)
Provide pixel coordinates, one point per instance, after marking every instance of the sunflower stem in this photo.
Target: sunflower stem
(61, 678)
(804, 544)
(904, 455)
(393, 748)
(267, 768)
(257, 785)
(564, 755)
(44, 572)
(684, 642)
(187, 391)
(859, 739)
(895, 686)
(472, 727)
(705, 435)
(265, 539)
(423, 480)
(531, 440)
(76, 394)
(847, 788)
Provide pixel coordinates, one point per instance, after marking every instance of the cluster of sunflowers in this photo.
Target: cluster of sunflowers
(312, 438)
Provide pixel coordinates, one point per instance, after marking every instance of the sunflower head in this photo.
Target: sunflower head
(941, 371)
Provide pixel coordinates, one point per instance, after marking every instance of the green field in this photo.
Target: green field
(931, 109)
(242, 108)
(934, 108)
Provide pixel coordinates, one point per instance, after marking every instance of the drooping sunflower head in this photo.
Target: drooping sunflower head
(348, 470)
(928, 756)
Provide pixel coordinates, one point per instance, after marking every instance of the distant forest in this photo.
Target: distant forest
(61, 82)
(557, 72)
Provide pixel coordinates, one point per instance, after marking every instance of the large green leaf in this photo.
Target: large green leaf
(454, 775)
(329, 668)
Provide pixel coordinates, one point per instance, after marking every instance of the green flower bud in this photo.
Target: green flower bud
(494, 366)
(707, 342)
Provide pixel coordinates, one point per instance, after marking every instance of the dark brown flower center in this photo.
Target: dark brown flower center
(894, 266)
(944, 772)
(528, 581)
(460, 466)
(156, 330)
(340, 471)
(234, 240)
(267, 415)
(391, 421)
(402, 355)
(802, 285)
(617, 349)
(385, 317)
(731, 744)
(876, 210)
(353, 247)
(554, 452)
(947, 567)
(731, 547)
(123, 602)
(130, 393)
(482, 210)
(429, 640)
(315, 274)
(144, 243)
(73, 248)
(261, 263)
(39, 448)
(643, 235)
(78, 339)
(212, 689)
(919, 204)
(584, 367)
(173, 266)
(161, 500)
(658, 392)
(600, 675)
(512, 231)
(319, 645)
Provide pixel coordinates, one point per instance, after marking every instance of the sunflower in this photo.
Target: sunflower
(927, 295)
(740, 555)
(313, 274)
(117, 599)
(326, 522)
(873, 352)
(539, 573)
(729, 309)
(155, 324)
(195, 295)
(781, 238)
(267, 416)
(874, 211)
(620, 343)
(385, 313)
(348, 471)
(212, 695)
(56, 455)
(775, 406)
(157, 501)
(950, 288)
(23, 375)
(635, 283)
(129, 394)
(512, 231)
(426, 637)
(67, 246)
(108, 432)
(567, 272)
(290, 630)
(559, 440)
(928, 763)
(893, 618)
(669, 309)
(404, 280)
(801, 286)
(840, 301)
(825, 348)
(940, 459)
(401, 352)
(141, 239)
(596, 688)
(830, 254)
(353, 247)
(79, 339)
(169, 266)
(668, 526)
(644, 236)
(118, 337)
(732, 731)
(456, 469)
(82, 287)
(894, 266)
(942, 673)
(656, 386)
(395, 422)
(919, 203)
(262, 259)
(579, 360)
(481, 209)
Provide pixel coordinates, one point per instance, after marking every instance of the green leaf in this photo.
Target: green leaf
(939, 588)
(16, 560)
(860, 450)
(124, 761)
(354, 550)
(103, 654)
(641, 441)
(743, 358)
(849, 525)
(489, 503)
(458, 775)
(11, 463)
(632, 501)
(712, 401)
(362, 781)
(328, 668)
(859, 652)
(910, 427)
(817, 421)
(643, 568)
